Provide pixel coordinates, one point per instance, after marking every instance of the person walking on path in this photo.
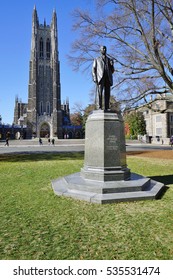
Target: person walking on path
(40, 141)
(53, 141)
(7, 142)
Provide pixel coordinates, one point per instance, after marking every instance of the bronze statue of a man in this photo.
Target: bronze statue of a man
(102, 71)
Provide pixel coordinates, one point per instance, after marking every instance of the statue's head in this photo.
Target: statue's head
(103, 49)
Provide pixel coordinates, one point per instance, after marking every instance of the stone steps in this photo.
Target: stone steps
(138, 188)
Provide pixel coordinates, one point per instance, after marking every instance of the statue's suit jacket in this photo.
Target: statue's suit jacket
(98, 69)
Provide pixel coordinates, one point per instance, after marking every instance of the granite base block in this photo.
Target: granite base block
(105, 152)
(137, 188)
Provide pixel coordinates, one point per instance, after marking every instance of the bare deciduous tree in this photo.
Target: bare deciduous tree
(139, 37)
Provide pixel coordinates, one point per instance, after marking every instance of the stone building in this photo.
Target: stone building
(159, 119)
(43, 114)
(20, 112)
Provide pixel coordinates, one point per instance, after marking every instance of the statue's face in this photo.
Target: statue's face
(103, 50)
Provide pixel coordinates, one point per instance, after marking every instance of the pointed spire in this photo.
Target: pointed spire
(35, 11)
(54, 18)
(67, 100)
(35, 25)
(54, 11)
(54, 29)
(16, 98)
(34, 16)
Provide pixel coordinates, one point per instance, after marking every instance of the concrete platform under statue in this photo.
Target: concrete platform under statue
(105, 177)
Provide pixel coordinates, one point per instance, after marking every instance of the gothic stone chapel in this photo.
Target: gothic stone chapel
(43, 114)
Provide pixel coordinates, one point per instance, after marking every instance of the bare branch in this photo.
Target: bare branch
(139, 37)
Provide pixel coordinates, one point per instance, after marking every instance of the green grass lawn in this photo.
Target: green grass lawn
(36, 224)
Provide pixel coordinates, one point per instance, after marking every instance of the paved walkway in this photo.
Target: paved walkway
(70, 145)
(35, 142)
(33, 146)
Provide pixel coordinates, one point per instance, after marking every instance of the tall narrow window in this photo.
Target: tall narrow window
(48, 107)
(48, 48)
(41, 48)
(41, 108)
(171, 118)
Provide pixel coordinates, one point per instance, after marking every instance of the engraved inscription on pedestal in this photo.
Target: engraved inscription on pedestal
(112, 143)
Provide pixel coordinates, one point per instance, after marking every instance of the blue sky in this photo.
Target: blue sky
(15, 22)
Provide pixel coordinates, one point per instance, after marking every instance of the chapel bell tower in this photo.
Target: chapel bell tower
(44, 115)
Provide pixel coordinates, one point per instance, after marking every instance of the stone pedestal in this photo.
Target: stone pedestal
(105, 158)
(105, 177)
